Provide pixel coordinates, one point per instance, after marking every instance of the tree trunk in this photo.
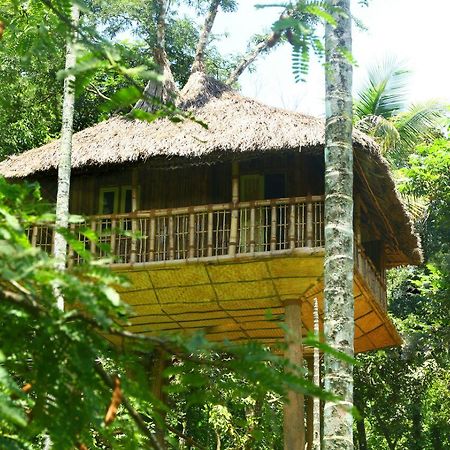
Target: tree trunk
(338, 271)
(165, 91)
(316, 372)
(65, 153)
(199, 64)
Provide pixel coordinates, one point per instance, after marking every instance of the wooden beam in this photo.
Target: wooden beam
(294, 420)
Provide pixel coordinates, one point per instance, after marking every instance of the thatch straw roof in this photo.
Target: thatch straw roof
(235, 125)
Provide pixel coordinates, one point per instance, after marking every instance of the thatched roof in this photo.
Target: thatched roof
(235, 125)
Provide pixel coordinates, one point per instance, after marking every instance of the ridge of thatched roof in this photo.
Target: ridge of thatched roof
(236, 124)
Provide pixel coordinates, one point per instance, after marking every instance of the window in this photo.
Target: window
(109, 200)
(114, 200)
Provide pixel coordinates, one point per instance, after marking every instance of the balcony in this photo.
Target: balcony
(219, 232)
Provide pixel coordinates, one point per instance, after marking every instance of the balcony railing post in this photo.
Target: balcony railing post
(113, 237)
(171, 238)
(133, 244)
(34, 233)
(191, 235)
(210, 229)
(151, 239)
(273, 228)
(235, 211)
(94, 229)
(252, 228)
(70, 248)
(309, 223)
(291, 230)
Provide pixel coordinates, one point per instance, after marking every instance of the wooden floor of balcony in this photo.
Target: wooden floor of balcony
(229, 269)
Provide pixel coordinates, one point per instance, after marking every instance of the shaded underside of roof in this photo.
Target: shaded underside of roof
(236, 127)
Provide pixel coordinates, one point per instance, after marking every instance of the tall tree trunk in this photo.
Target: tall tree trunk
(338, 272)
(199, 60)
(65, 153)
(166, 90)
(316, 372)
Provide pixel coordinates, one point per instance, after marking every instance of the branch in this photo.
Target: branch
(199, 64)
(95, 90)
(109, 381)
(270, 41)
(247, 59)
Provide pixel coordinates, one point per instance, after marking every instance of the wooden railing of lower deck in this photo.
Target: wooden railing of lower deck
(372, 277)
(208, 231)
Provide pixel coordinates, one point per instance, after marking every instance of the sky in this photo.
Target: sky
(412, 31)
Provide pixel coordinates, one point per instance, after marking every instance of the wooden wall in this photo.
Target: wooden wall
(190, 185)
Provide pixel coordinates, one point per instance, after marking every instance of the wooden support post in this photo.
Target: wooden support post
(310, 408)
(234, 211)
(309, 222)
(294, 421)
(134, 207)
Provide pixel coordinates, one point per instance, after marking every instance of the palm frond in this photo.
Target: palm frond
(381, 129)
(421, 123)
(384, 93)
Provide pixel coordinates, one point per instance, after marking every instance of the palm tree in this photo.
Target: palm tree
(381, 110)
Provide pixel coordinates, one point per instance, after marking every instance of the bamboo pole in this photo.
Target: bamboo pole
(171, 239)
(293, 423)
(273, 228)
(94, 229)
(191, 235)
(234, 211)
(252, 229)
(309, 223)
(151, 245)
(210, 233)
(113, 237)
(291, 231)
(134, 207)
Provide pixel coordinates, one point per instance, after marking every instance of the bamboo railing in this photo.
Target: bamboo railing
(372, 277)
(206, 232)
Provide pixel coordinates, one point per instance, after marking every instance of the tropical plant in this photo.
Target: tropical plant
(381, 110)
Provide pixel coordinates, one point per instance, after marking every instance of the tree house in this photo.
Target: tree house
(230, 218)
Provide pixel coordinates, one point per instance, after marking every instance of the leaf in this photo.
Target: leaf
(111, 294)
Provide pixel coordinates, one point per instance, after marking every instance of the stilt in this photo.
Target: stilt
(294, 420)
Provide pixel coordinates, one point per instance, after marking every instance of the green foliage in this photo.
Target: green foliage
(404, 391)
(58, 368)
(380, 110)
